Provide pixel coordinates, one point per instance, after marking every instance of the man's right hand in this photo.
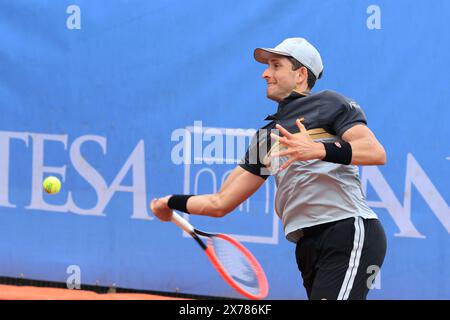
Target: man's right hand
(161, 209)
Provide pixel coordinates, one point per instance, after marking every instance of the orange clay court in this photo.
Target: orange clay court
(9, 292)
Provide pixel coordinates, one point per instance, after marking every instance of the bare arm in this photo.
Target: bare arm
(366, 150)
(231, 177)
(239, 186)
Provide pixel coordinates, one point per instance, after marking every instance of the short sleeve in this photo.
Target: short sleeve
(255, 154)
(350, 115)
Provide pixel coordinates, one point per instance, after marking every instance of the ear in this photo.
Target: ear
(302, 75)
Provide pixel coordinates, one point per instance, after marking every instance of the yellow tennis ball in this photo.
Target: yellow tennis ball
(52, 185)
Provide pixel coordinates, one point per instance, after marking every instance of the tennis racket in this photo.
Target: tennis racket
(237, 266)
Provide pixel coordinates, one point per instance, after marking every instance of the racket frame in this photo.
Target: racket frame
(212, 256)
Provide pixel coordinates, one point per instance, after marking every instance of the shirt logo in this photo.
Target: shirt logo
(354, 105)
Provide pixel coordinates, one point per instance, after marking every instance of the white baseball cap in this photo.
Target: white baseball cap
(298, 48)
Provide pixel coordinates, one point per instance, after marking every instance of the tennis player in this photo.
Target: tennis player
(324, 137)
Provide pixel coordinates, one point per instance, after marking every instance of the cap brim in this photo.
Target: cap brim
(263, 55)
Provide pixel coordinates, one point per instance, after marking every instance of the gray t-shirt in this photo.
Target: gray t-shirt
(311, 192)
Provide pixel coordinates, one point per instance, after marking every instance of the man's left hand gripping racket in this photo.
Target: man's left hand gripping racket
(237, 266)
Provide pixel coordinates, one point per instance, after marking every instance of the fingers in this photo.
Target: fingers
(160, 211)
(155, 205)
(282, 153)
(285, 133)
(282, 140)
(286, 164)
(300, 125)
(152, 206)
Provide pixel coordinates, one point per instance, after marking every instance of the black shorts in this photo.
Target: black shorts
(338, 260)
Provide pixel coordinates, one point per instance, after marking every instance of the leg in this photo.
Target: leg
(306, 253)
(347, 250)
(372, 258)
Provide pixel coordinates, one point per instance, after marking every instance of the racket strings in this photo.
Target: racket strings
(236, 264)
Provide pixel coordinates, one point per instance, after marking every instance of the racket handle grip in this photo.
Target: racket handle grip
(182, 223)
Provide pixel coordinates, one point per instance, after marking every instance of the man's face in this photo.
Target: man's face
(280, 78)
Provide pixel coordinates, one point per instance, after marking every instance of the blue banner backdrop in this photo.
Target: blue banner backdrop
(96, 92)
